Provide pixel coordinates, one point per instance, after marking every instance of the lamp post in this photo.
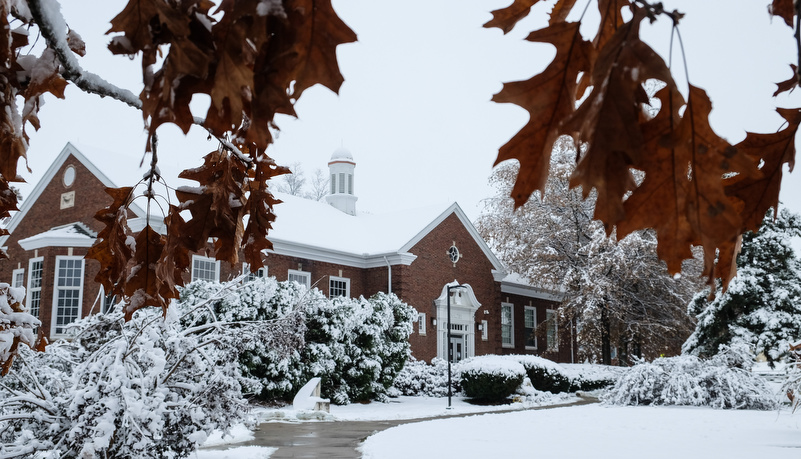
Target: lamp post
(448, 339)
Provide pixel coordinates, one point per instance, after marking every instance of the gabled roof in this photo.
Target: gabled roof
(75, 234)
(69, 149)
(304, 228)
(318, 231)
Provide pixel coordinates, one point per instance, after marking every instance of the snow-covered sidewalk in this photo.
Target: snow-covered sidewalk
(600, 432)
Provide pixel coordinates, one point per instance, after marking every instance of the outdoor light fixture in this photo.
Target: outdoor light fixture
(448, 339)
(433, 321)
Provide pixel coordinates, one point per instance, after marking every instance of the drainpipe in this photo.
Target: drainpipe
(389, 275)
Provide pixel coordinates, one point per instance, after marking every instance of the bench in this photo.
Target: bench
(308, 398)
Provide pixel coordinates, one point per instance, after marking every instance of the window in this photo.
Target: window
(551, 330)
(333, 183)
(67, 293)
(350, 183)
(35, 285)
(338, 286)
(204, 268)
(341, 183)
(300, 277)
(259, 274)
(109, 301)
(18, 277)
(484, 330)
(507, 325)
(530, 326)
(421, 323)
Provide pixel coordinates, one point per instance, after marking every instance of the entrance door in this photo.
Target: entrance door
(456, 348)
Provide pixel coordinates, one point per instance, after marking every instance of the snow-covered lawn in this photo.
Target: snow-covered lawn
(598, 431)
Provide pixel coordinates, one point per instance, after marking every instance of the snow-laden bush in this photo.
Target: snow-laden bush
(792, 385)
(490, 378)
(148, 388)
(356, 345)
(689, 380)
(418, 378)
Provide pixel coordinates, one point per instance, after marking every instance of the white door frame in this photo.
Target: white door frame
(463, 309)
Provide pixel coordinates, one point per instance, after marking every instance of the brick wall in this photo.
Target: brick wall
(45, 214)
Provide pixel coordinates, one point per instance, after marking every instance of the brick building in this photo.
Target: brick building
(415, 254)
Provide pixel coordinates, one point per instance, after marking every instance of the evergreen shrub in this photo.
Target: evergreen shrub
(490, 380)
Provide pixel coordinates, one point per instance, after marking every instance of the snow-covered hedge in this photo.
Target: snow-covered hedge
(719, 382)
(490, 378)
(152, 387)
(356, 345)
(418, 378)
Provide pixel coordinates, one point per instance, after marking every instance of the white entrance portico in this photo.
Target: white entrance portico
(461, 343)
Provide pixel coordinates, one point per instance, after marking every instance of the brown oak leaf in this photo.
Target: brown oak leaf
(549, 97)
(143, 286)
(608, 120)
(506, 18)
(788, 84)
(784, 9)
(760, 193)
(560, 11)
(112, 247)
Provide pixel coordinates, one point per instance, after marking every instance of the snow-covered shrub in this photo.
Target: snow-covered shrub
(545, 375)
(418, 378)
(490, 378)
(356, 345)
(17, 325)
(148, 388)
(792, 385)
(688, 380)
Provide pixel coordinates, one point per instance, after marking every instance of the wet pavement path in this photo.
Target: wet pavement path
(338, 439)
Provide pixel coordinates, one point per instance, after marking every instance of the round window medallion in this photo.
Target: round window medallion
(69, 176)
(453, 254)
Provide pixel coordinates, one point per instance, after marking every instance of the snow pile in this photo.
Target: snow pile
(152, 387)
(688, 380)
(356, 345)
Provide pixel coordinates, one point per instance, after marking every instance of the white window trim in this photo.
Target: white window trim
(512, 326)
(207, 259)
(54, 302)
(246, 270)
(530, 308)
(555, 330)
(304, 274)
(339, 279)
(421, 323)
(14, 277)
(31, 261)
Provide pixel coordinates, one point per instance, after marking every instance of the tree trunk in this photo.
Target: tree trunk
(606, 342)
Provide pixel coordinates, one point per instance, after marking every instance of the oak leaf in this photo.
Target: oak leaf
(760, 193)
(506, 18)
(785, 9)
(560, 11)
(319, 33)
(788, 84)
(549, 97)
(608, 119)
(112, 248)
(143, 286)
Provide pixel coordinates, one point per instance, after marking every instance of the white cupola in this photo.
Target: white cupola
(341, 168)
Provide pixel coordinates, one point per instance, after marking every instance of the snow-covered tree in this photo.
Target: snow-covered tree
(319, 187)
(356, 345)
(152, 387)
(294, 182)
(618, 293)
(762, 307)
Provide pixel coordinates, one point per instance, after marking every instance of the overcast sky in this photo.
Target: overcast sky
(415, 107)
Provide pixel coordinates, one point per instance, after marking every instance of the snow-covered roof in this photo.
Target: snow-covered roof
(316, 230)
(74, 234)
(516, 284)
(342, 154)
